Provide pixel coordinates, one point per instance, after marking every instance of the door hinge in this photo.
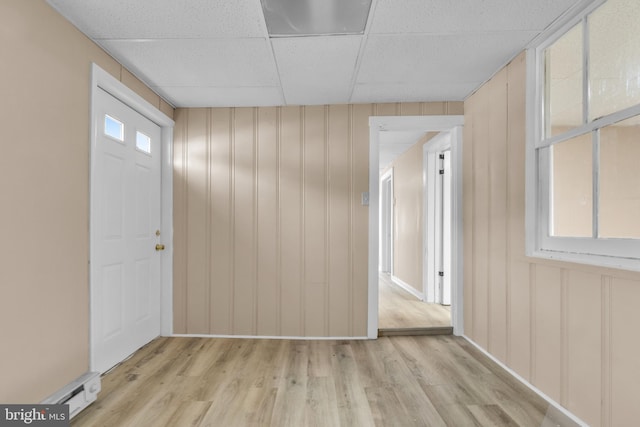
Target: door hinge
(441, 171)
(441, 273)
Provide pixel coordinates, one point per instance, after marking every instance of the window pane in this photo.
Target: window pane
(564, 70)
(143, 142)
(620, 179)
(113, 128)
(614, 57)
(572, 187)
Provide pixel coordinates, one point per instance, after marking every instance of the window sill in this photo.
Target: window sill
(630, 264)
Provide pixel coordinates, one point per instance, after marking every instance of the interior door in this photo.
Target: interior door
(125, 224)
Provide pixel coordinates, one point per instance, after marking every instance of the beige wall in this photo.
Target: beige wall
(408, 215)
(270, 235)
(568, 329)
(44, 185)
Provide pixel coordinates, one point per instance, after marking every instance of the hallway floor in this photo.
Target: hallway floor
(397, 308)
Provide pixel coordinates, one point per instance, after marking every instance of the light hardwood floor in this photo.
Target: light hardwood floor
(398, 309)
(392, 381)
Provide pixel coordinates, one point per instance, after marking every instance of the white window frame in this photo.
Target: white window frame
(616, 253)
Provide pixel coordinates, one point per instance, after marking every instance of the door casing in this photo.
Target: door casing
(101, 79)
(386, 223)
(379, 124)
(437, 254)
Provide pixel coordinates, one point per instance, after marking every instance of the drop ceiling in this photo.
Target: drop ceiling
(205, 53)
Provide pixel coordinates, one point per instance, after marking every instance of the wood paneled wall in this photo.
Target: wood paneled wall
(44, 183)
(569, 329)
(271, 238)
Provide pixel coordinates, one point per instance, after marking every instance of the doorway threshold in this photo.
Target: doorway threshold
(434, 330)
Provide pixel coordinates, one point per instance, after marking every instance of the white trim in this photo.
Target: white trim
(388, 176)
(269, 337)
(533, 388)
(612, 253)
(431, 192)
(101, 79)
(407, 287)
(427, 124)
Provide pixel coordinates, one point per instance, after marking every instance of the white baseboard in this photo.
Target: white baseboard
(269, 337)
(514, 374)
(407, 287)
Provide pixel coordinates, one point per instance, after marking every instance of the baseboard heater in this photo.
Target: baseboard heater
(78, 394)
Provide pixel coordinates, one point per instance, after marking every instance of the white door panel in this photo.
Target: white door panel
(125, 266)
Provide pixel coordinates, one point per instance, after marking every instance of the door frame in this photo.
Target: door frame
(387, 217)
(379, 124)
(432, 200)
(100, 79)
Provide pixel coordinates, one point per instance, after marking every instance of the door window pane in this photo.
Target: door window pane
(572, 187)
(113, 128)
(143, 142)
(620, 180)
(564, 83)
(614, 57)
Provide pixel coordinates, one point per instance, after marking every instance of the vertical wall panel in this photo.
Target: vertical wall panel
(584, 352)
(625, 347)
(519, 321)
(516, 131)
(498, 215)
(411, 109)
(244, 175)
(197, 223)
(221, 223)
(339, 150)
(468, 191)
(290, 227)
(434, 108)
(518, 308)
(315, 219)
(481, 203)
(180, 185)
(268, 302)
(547, 330)
(454, 108)
(390, 109)
(360, 224)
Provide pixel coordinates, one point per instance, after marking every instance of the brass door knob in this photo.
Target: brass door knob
(159, 247)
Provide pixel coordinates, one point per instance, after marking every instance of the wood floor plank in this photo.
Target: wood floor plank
(353, 406)
(322, 403)
(491, 415)
(393, 381)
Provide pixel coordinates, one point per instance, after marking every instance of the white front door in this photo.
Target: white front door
(125, 229)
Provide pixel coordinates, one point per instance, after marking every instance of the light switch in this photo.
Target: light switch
(365, 198)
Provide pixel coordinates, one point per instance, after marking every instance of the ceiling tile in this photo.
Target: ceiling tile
(237, 62)
(141, 19)
(222, 96)
(316, 70)
(446, 16)
(420, 58)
